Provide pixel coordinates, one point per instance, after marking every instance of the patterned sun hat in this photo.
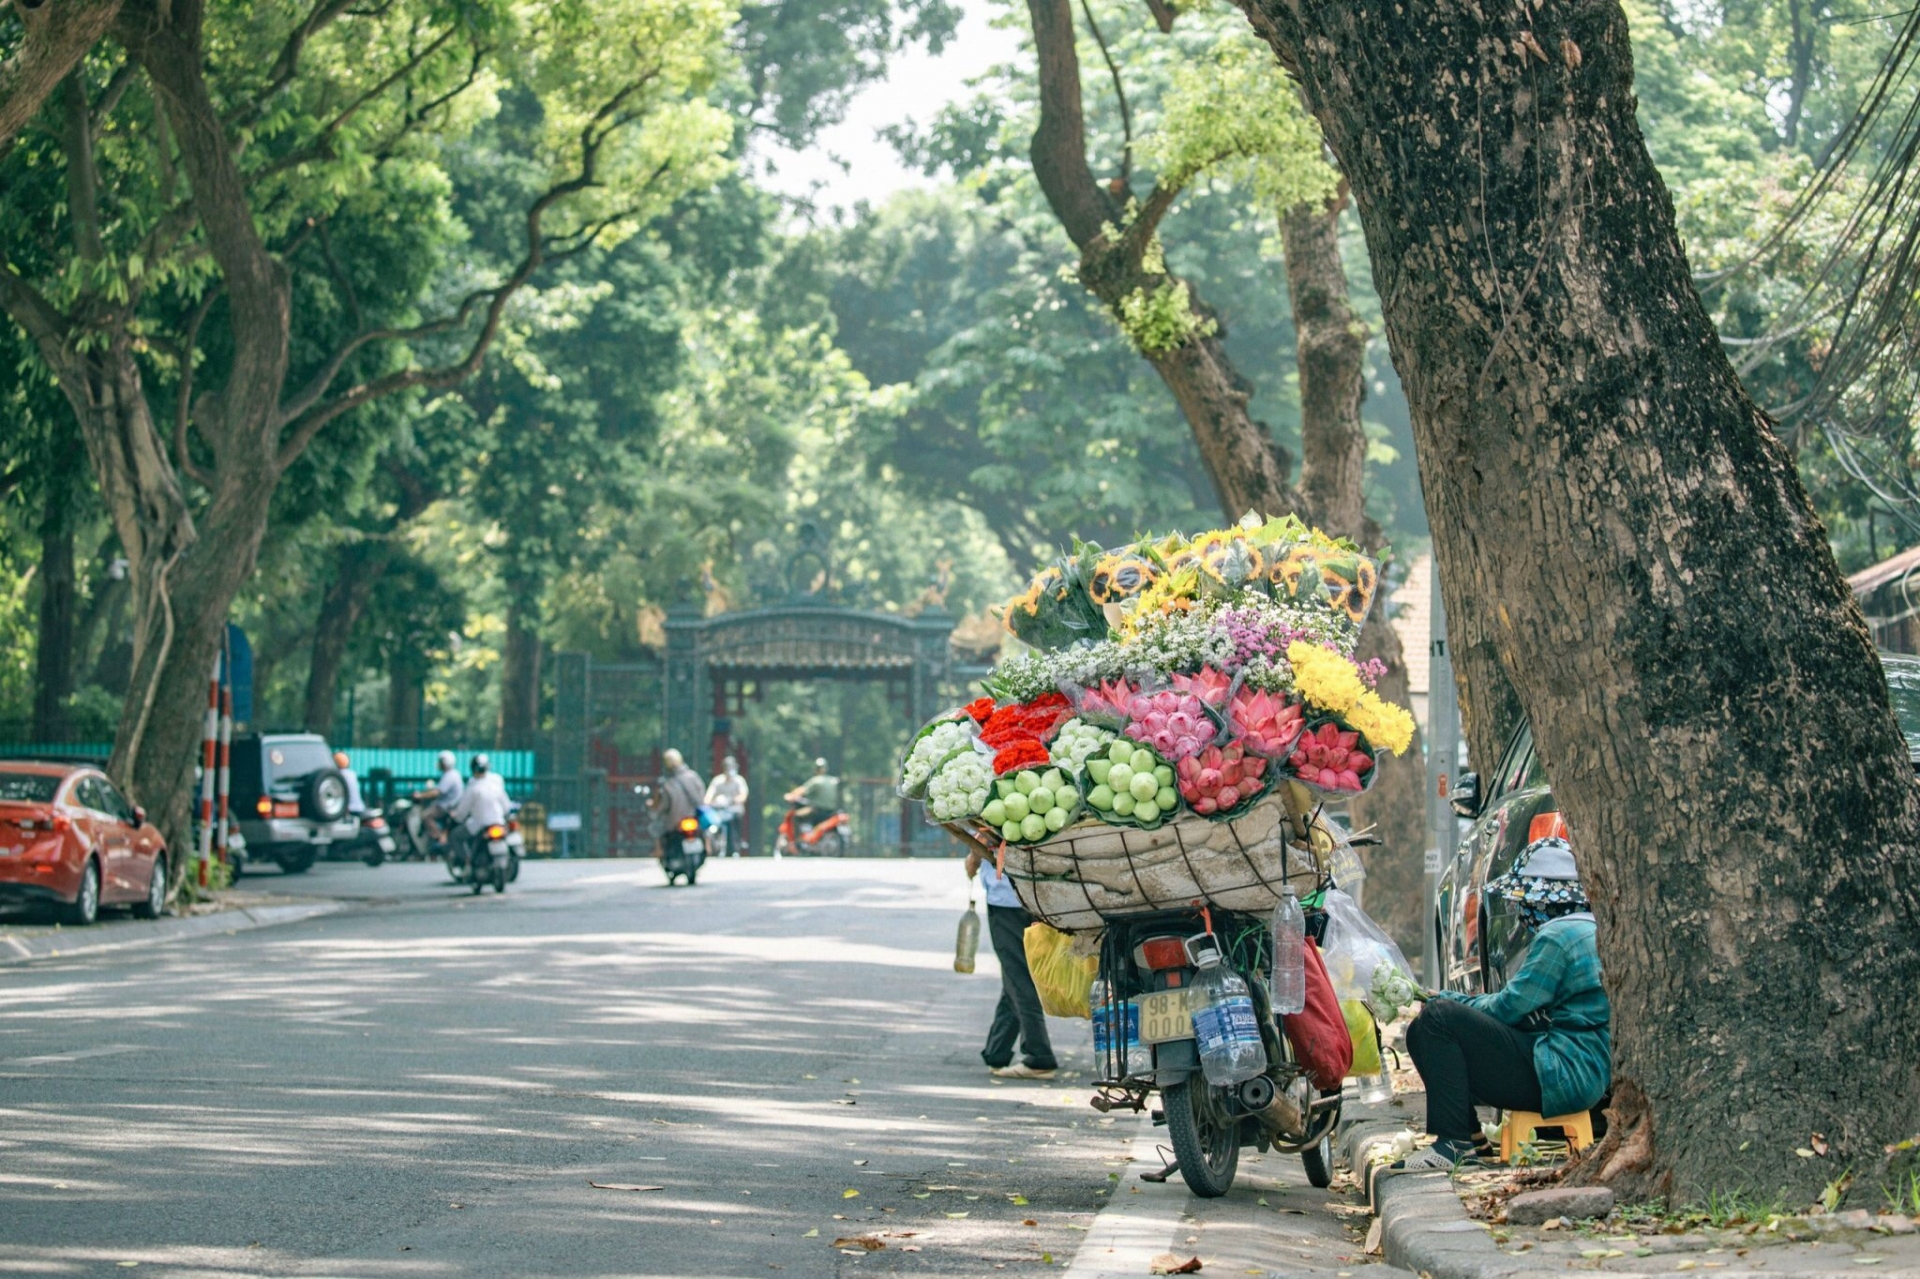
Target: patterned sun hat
(1543, 875)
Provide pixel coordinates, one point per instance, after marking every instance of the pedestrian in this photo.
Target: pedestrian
(1540, 1043)
(727, 797)
(1018, 1016)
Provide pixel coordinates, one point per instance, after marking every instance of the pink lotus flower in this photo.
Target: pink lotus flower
(1330, 757)
(1219, 778)
(1173, 723)
(1109, 701)
(1207, 684)
(1265, 724)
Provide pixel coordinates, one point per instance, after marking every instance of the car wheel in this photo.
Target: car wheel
(86, 903)
(156, 903)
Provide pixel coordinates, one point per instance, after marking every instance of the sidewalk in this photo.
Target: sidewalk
(1468, 1227)
(237, 910)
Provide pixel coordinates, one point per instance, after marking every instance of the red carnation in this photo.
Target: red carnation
(980, 709)
(1024, 753)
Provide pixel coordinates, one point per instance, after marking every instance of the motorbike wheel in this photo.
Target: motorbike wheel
(840, 841)
(376, 857)
(479, 885)
(692, 875)
(1206, 1140)
(1318, 1160)
(500, 879)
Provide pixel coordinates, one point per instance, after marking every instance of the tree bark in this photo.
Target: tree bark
(519, 682)
(403, 701)
(1331, 345)
(1619, 523)
(1250, 471)
(54, 650)
(58, 35)
(357, 568)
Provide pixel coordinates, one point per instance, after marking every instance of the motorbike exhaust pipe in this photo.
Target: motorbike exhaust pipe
(1279, 1110)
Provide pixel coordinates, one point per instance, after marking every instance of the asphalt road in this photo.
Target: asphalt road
(428, 1085)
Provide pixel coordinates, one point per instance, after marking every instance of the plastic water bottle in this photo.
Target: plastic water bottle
(1229, 1033)
(1289, 957)
(966, 943)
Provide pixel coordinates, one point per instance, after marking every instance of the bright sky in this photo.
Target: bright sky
(851, 162)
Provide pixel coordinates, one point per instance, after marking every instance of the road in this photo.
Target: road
(429, 1084)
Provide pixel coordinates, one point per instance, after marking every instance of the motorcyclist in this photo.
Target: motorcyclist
(440, 798)
(727, 797)
(484, 801)
(818, 798)
(681, 791)
(355, 804)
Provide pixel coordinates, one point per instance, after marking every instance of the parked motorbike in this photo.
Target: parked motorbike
(407, 823)
(373, 843)
(1145, 1042)
(828, 834)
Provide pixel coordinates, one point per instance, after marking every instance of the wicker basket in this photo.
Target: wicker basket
(1076, 879)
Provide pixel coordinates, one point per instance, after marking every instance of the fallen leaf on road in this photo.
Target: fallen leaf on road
(912, 1247)
(849, 1194)
(955, 1216)
(1263, 1203)
(1804, 1153)
(1168, 1264)
(127, 1264)
(616, 1185)
(1601, 1254)
(1373, 1235)
(1685, 1264)
(928, 1195)
(859, 1163)
(812, 1234)
(1029, 1222)
(1018, 1201)
(1819, 1143)
(868, 1242)
(1860, 1261)
(853, 1252)
(845, 1101)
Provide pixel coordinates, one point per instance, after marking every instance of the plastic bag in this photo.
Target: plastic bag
(1355, 947)
(1062, 978)
(1365, 1036)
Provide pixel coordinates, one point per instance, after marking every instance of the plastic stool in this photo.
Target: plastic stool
(1518, 1129)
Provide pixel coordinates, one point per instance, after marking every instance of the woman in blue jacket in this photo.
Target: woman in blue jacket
(1540, 1043)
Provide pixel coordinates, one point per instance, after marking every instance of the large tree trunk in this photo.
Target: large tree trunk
(54, 651)
(519, 682)
(1614, 515)
(58, 35)
(1331, 343)
(1249, 469)
(357, 568)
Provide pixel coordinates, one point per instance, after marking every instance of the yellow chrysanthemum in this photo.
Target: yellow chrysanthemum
(1324, 679)
(1386, 726)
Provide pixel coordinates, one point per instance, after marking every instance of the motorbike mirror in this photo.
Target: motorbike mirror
(1465, 796)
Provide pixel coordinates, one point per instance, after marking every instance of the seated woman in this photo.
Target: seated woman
(1541, 1043)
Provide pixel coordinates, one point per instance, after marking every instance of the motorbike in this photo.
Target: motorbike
(373, 843)
(490, 857)
(830, 834)
(406, 822)
(685, 849)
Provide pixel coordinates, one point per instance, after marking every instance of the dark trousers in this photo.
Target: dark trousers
(1467, 1058)
(1019, 1015)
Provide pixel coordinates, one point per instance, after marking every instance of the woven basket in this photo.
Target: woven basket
(1076, 879)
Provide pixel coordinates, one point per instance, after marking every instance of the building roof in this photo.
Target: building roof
(1868, 580)
(1413, 621)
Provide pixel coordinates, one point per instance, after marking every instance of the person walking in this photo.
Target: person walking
(1018, 1017)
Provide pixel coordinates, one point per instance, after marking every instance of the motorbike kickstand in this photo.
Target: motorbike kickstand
(1172, 1166)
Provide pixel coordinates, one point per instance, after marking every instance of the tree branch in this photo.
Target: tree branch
(1120, 92)
(183, 399)
(287, 65)
(1059, 149)
(320, 145)
(83, 203)
(117, 86)
(57, 37)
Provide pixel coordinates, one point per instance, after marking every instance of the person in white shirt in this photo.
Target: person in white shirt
(727, 797)
(440, 798)
(484, 801)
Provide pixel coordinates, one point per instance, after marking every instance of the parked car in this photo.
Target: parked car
(69, 840)
(1482, 942)
(289, 799)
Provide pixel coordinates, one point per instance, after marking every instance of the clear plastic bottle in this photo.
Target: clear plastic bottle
(966, 943)
(1289, 958)
(1229, 1034)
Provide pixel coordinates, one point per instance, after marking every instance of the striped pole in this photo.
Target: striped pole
(209, 741)
(224, 777)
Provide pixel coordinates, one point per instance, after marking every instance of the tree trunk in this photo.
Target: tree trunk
(57, 36)
(403, 701)
(1614, 515)
(1249, 469)
(1331, 345)
(357, 568)
(54, 652)
(519, 682)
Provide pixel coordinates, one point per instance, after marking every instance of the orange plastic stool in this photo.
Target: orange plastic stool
(1519, 1126)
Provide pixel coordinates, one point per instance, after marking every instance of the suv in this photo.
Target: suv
(1481, 942)
(289, 799)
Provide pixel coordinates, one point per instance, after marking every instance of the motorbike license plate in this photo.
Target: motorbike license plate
(693, 846)
(1167, 1015)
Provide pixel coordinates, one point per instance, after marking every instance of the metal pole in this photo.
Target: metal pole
(223, 781)
(209, 734)
(1443, 756)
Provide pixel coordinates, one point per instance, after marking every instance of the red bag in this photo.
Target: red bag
(1318, 1033)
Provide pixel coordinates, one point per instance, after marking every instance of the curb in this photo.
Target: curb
(16, 949)
(1424, 1228)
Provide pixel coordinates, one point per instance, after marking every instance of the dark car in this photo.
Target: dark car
(289, 799)
(70, 841)
(1482, 942)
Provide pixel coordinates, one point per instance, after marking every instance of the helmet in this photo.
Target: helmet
(481, 763)
(820, 764)
(339, 759)
(446, 760)
(729, 763)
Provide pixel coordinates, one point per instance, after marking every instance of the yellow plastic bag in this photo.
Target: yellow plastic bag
(1366, 1038)
(1063, 979)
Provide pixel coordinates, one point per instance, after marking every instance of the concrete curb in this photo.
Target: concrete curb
(1424, 1228)
(74, 943)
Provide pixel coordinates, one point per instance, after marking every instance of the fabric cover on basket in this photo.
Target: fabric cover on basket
(1318, 1033)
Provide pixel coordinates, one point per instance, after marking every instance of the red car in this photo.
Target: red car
(70, 840)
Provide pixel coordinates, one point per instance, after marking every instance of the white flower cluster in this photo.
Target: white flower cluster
(1076, 741)
(959, 789)
(930, 750)
(1391, 991)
